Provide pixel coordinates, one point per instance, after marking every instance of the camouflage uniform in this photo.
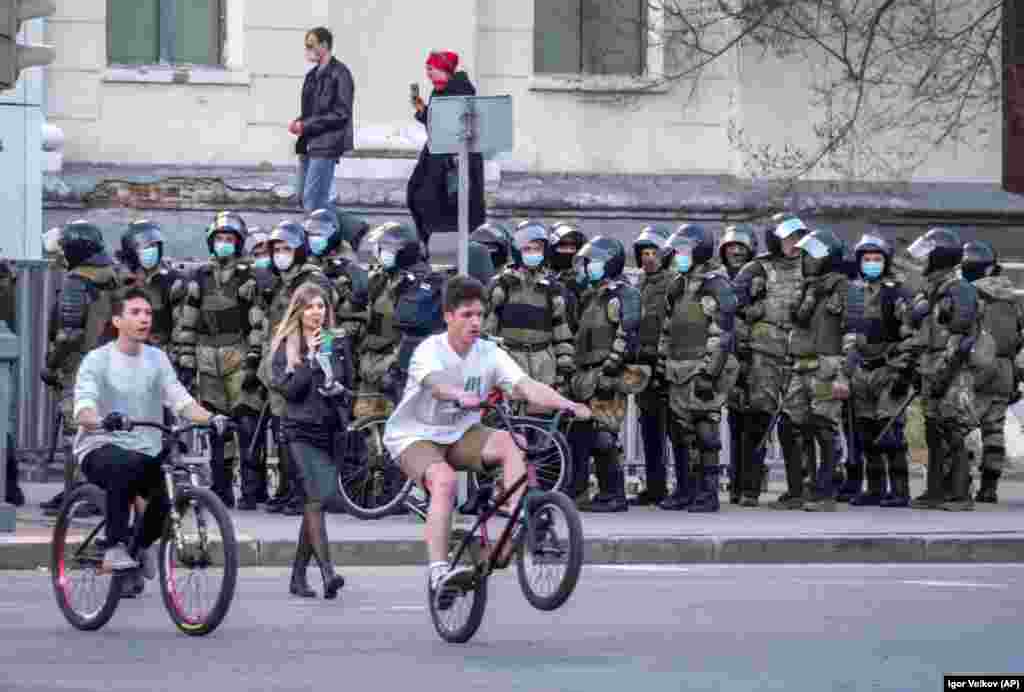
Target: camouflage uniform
(652, 401)
(944, 322)
(608, 331)
(526, 309)
(995, 387)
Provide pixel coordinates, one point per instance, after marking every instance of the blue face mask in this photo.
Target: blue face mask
(595, 270)
(872, 269)
(261, 263)
(682, 263)
(317, 244)
(223, 249)
(387, 258)
(533, 260)
(149, 257)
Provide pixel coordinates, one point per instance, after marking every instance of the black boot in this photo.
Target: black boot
(222, 484)
(989, 485)
(251, 466)
(299, 585)
(824, 496)
(612, 483)
(792, 444)
(707, 497)
(960, 477)
(321, 547)
(752, 469)
(899, 494)
(581, 441)
(876, 483)
(652, 425)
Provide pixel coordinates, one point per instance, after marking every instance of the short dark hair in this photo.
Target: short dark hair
(122, 297)
(461, 290)
(323, 36)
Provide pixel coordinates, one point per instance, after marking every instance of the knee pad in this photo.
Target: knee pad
(709, 435)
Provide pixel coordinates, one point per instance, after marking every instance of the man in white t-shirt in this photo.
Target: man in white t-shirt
(436, 429)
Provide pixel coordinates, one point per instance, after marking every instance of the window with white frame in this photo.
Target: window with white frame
(165, 32)
(590, 37)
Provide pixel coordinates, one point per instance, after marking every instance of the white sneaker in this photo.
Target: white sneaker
(147, 558)
(446, 585)
(117, 558)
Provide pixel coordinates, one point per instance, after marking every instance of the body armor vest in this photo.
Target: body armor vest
(526, 317)
(98, 328)
(880, 325)
(158, 287)
(653, 289)
(572, 293)
(596, 333)
(740, 327)
(1001, 320)
(688, 325)
(935, 334)
(223, 316)
(288, 282)
(784, 282)
(381, 333)
(823, 335)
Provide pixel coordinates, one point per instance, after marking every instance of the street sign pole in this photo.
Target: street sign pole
(465, 147)
(465, 125)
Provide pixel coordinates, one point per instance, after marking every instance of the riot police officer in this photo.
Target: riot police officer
(399, 252)
(217, 340)
(330, 252)
(696, 358)
(996, 387)
(289, 247)
(83, 322)
(498, 240)
(944, 319)
(526, 308)
(564, 241)
(647, 251)
(768, 288)
(142, 253)
(877, 355)
(738, 247)
(609, 324)
(820, 374)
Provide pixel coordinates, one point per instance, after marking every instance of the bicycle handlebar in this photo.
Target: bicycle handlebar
(171, 430)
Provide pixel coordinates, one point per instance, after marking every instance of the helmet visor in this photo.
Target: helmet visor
(530, 234)
(789, 227)
(921, 248)
(813, 247)
(147, 236)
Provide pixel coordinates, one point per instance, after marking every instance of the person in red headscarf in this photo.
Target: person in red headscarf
(432, 192)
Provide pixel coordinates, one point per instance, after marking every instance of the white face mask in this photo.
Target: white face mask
(533, 259)
(283, 260)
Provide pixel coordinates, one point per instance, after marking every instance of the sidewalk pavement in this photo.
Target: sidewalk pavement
(991, 533)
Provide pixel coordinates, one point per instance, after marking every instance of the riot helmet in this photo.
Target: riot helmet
(51, 243)
(257, 248)
(738, 236)
(872, 242)
(81, 242)
(322, 232)
(690, 246)
(142, 245)
(498, 241)
(938, 249)
(396, 245)
(227, 222)
(530, 232)
(601, 258)
(353, 228)
(652, 237)
(561, 237)
(292, 236)
(481, 265)
(823, 252)
(980, 260)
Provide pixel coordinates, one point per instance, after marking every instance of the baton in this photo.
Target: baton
(903, 407)
(260, 425)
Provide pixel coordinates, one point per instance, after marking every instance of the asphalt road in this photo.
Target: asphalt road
(843, 627)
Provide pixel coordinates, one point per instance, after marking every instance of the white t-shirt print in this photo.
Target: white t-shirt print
(419, 416)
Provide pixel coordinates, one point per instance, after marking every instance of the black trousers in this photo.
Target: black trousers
(125, 475)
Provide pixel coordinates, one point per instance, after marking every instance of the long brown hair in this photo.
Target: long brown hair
(289, 331)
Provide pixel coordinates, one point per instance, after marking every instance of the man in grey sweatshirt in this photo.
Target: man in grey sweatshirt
(122, 381)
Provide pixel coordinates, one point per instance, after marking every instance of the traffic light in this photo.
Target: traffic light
(14, 56)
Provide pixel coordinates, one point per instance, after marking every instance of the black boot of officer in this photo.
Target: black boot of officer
(683, 494)
(611, 479)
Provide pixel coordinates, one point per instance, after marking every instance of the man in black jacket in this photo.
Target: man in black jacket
(324, 129)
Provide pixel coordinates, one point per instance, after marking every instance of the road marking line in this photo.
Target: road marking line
(642, 568)
(409, 608)
(964, 584)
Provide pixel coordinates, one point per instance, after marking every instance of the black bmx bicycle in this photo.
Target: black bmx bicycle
(198, 553)
(543, 534)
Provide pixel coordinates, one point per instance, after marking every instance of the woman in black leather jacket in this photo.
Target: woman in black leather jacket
(305, 347)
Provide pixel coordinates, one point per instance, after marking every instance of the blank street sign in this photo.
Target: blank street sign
(494, 131)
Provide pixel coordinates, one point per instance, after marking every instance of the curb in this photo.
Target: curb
(954, 548)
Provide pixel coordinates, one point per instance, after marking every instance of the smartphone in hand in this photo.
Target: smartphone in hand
(414, 93)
